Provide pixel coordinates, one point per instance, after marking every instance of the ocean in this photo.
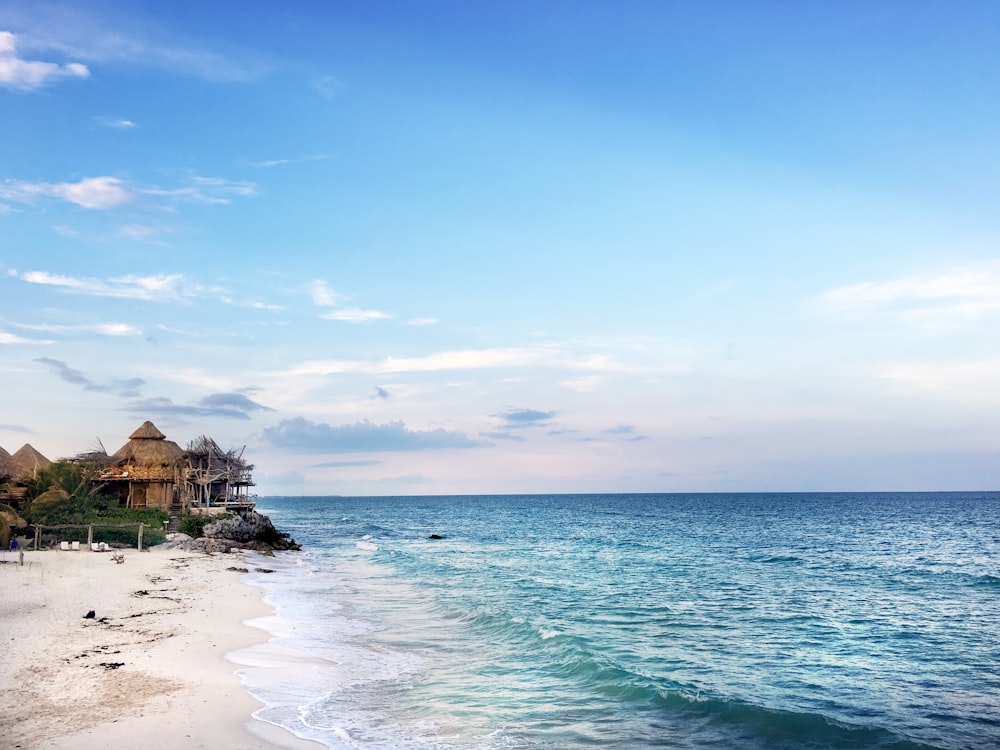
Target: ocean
(634, 621)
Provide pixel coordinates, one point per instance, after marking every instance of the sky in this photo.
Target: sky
(452, 247)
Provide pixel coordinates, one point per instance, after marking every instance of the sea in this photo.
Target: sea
(805, 620)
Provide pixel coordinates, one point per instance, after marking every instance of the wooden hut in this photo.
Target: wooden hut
(148, 471)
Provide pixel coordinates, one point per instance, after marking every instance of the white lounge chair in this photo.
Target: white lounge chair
(64, 546)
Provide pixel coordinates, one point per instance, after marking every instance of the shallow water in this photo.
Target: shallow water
(636, 621)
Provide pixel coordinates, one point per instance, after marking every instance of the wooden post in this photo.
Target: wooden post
(140, 536)
(90, 537)
(38, 536)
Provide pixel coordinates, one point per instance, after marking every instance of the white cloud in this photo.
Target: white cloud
(140, 232)
(934, 301)
(356, 315)
(211, 190)
(105, 329)
(584, 384)
(10, 338)
(94, 192)
(109, 192)
(551, 357)
(90, 192)
(26, 75)
(161, 287)
(322, 294)
(975, 381)
(118, 123)
(117, 329)
(268, 163)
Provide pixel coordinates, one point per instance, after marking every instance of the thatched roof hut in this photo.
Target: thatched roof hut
(148, 447)
(27, 462)
(6, 465)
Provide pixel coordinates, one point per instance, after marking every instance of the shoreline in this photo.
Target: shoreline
(149, 669)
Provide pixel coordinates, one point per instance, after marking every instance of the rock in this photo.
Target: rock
(90, 615)
(250, 530)
(435, 536)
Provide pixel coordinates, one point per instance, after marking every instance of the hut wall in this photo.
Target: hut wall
(159, 495)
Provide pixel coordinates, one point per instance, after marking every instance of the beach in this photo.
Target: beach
(148, 669)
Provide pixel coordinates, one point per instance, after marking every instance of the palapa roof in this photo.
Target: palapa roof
(147, 446)
(6, 464)
(27, 461)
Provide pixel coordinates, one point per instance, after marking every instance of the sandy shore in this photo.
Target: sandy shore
(148, 670)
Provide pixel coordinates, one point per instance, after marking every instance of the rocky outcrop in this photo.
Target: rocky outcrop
(250, 530)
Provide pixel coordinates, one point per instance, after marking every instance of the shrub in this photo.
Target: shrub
(194, 526)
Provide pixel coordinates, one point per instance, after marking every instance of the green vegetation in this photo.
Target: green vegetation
(8, 518)
(66, 493)
(194, 526)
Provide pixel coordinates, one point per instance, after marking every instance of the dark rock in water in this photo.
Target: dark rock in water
(263, 570)
(90, 615)
(250, 530)
(435, 536)
(238, 570)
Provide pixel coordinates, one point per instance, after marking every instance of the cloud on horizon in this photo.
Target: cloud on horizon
(300, 434)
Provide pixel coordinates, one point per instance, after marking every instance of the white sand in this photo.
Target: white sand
(174, 688)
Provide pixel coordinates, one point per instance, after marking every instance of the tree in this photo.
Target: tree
(65, 492)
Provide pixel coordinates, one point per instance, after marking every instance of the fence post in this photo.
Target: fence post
(90, 537)
(140, 536)
(38, 536)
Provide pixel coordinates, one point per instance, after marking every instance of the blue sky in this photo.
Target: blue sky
(454, 247)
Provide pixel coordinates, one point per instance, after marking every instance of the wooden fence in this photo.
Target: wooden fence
(90, 531)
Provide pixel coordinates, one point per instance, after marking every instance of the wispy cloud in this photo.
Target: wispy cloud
(89, 192)
(111, 40)
(329, 87)
(105, 192)
(323, 295)
(116, 123)
(199, 189)
(344, 464)
(124, 388)
(225, 405)
(11, 338)
(975, 381)
(517, 419)
(299, 434)
(104, 329)
(356, 315)
(27, 75)
(935, 301)
(551, 356)
(584, 384)
(162, 287)
(270, 163)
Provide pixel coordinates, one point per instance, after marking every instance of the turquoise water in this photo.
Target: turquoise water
(636, 621)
